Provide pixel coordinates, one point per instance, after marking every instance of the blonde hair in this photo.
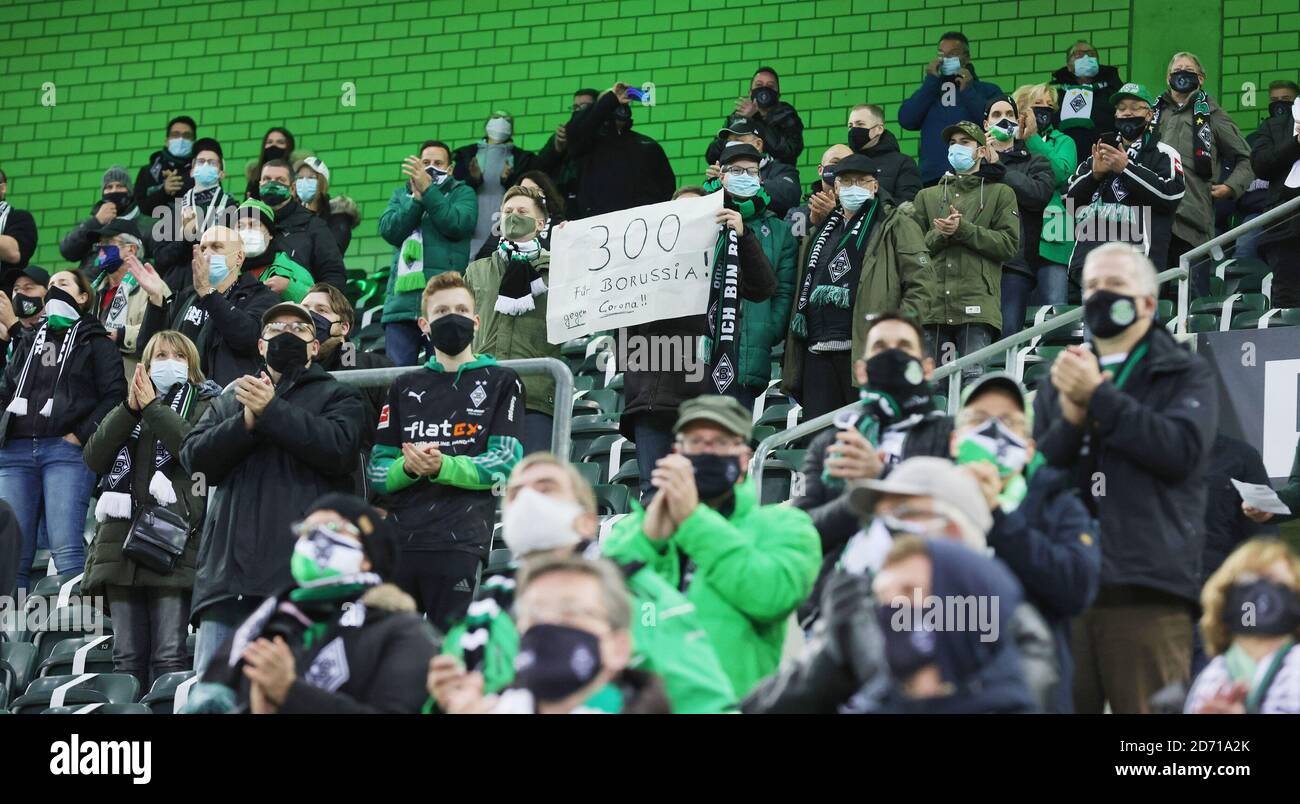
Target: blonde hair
(518, 190)
(179, 343)
(582, 491)
(1183, 54)
(1255, 556)
(1023, 94)
(447, 280)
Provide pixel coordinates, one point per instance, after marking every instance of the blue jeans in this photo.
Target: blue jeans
(1015, 298)
(1053, 285)
(652, 443)
(216, 624)
(149, 629)
(403, 342)
(1247, 244)
(537, 433)
(52, 470)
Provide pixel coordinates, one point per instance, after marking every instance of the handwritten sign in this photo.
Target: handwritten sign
(631, 267)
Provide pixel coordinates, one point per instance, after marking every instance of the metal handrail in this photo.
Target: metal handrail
(561, 424)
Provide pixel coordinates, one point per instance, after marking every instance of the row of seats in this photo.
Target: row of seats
(95, 692)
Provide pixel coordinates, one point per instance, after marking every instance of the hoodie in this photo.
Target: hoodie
(899, 175)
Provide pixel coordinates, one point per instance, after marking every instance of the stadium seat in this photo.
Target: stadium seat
(1281, 317)
(590, 472)
(582, 406)
(609, 401)
(781, 417)
(611, 499)
(68, 622)
(778, 479)
(499, 561)
(17, 663)
(628, 474)
(1202, 322)
(42, 565)
(100, 709)
(761, 432)
(58, 588)
(1164, 311)
(608, 452)
(1225, 307)
(1034, 374)
(92, 654)
(585, 430)
(161, 697)
(67, 690)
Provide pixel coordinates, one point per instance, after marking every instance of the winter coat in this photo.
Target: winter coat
(1031, 176)
(763, 324)
(1058, 149)
(446, 216)
(899, 175)
(1149, 450)
(137, 305)
(1049, 542)
(1153, 189)
(781, 129)
(964, 282)
(1194, 217)
(617, 170)
(149, 180)
(896, 272)
(91, 385)
(303, 445)
(21, 226)
(78, 245)
(1083, 131)
(1275, 150)
(514, 337)
(753, 567)
(1226, 527)
(105, 564)
(306, 238)
(925, 112)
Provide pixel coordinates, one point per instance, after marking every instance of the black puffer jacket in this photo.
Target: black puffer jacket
(658, 393)
(92, 383)
(308, 240)
(149, 181)
(900, 176)
(304, 444)
(617, 170)
(782, 132)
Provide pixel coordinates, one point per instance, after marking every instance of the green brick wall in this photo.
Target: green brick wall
(120, 68)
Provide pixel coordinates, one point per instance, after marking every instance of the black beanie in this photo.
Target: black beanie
(988, 107)
(378, 539)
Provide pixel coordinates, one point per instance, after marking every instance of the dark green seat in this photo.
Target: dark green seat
(161, 697)
(96, 657)
(1244, 302)
(590, 472)
(17, 664)
(1202, 322)
(100, 709)
(611, 499)
(68, 622)
(778, 480)
(775, 416)
(586, 429)
(584, 383)
(762, 431)
(598, 452)
(608, 401)
(575, 348)
(628, 474)
(100, 688)
(1285, 317)
(1164, 311)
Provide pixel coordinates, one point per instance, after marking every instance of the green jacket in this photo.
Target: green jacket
(964, 283)
(894, 267)
(1058, 149)
(667, 640)
(447, 216)
(513, 337)
(105, 564)
(763, 324)
(300, 279)
(752, 569)
(1194, 216)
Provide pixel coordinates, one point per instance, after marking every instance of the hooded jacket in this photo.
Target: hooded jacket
(446, 215)
(259, 481)
(899, 175)
(616, 170)
(91, 385)
(306, 239)
(1153, 183)
(78, 245)
(925, 112)
(964, 282)
(896, 275)
(1083, 130)
(1030, 175)
(753, 567)
(1150, 442)
(105, 564)
(782, 133)
(1194, 217)
(149, 181)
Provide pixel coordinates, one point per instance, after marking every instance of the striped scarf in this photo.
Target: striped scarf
(720, 347)
(521, 282)
(57, 313)
(117, 485)
(1202, 133)
(849, 254)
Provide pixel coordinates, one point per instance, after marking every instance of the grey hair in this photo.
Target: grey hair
(131, 240)
(1143, 270)
(1184, 54)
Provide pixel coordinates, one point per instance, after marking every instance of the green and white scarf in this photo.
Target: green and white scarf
(410, 263)
(849, 253)
(1202, 133)
(57, 318)
(116, 317)
(117, 485)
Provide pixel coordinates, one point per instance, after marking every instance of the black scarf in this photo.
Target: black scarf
(722, 338)
(18, 405)
(521, 282)
(1202, 134)
(849, 255)
(118, 484)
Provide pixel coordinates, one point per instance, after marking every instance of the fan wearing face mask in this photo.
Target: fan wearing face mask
(763, 106)
(21, 308)
(166, 176)
(1038, 113)
(448, 435)
(136, 451)
(549, 511)
(116, 200)
(900, 178)
(1187, 119)
(1082, 90)
(301, 234)
(510, 294)
(264, 259)
(1275, 157)
(491, 166)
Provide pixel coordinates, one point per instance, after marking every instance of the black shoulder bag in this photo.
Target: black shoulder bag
(157, 538)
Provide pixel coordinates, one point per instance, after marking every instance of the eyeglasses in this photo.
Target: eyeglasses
(718, 446)
(737, 172)
(862, 181)
(301, 528)
(216, 163)
(974, 418)
(296, 327)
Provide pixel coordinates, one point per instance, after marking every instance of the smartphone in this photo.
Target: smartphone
(636, 94)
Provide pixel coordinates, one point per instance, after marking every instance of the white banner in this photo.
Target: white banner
(631, 267)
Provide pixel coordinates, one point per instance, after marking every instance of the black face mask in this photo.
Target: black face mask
(1131, 128)
(1184, 81)
(27, 306)
(285, 352)
(121, 200)
(1043, 117)
(1279, 108)
(451, 333)
(1262, 608)
(323, 326)
(1108, 314)
(715, 475)
(272, 152)
(764, 96)
(623, 113)
(898, 374)
(859, 137)
(555, 661)
(828, 176)
(906, 651)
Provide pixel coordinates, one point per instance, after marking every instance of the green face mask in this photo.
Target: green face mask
(323, 554)
(273, 193)
(515, 226)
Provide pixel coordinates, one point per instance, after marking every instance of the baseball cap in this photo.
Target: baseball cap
(721, 410)
(856, 163)
(1132, 90)
(315, 164)
(118, 226)
(740, 125)
(965, 127)
(739, 150)
(288, 308)
(926, 476)
(994, 379)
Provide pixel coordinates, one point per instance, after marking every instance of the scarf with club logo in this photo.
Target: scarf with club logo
(410, 264)
(4, 215)
(60, 314)
(719, 347)
(843, 278)
(116, 487)
(1119, 187)
(1202, 134)
(115, 318)
(521, 282)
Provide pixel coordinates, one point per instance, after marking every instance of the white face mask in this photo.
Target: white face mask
(534, 521)
(167, 373)
(254, 241)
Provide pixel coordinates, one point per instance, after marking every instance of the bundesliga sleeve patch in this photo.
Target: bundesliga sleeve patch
(383, 418)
